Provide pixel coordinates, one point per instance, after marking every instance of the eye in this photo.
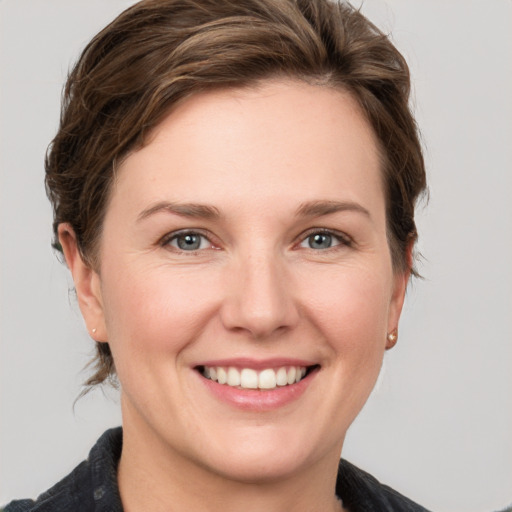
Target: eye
(188, 241)
(322, 240)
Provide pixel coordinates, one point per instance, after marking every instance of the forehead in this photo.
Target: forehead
(276, 139)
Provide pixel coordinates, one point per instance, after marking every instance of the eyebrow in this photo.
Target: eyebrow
(191, 210)
(319, 208)
(204, 211)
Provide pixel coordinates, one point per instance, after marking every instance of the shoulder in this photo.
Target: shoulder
(18, 506)
(60, 497)
(91, 486)
(360, 491)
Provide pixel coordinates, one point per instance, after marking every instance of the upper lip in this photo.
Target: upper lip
(257, 364)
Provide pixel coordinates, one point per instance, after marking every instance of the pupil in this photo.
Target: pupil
(189, 242)
(320, 241)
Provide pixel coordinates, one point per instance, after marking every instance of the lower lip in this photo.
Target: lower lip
(258, 399)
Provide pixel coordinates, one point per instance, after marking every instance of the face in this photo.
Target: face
(245, 284)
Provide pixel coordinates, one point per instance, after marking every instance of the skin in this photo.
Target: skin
(255, 288)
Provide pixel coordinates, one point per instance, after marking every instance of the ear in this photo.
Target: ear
(400, 281)
(87, 284)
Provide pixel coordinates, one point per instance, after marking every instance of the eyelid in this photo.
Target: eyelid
(343, 238)
(169, 237)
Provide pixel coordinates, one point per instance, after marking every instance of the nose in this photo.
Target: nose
(260, 298)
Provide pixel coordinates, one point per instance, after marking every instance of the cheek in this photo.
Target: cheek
(350, 307)
(151, 311)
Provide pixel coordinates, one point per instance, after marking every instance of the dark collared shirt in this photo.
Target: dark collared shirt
(92, 486)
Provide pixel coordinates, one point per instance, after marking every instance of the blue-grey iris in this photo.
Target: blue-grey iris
(320, 241)
(189, 242)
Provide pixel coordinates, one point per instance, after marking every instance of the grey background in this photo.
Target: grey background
(439, 428)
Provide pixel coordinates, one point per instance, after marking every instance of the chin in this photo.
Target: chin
(259, 469)
(264, 457)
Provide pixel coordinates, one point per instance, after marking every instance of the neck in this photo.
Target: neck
(153, 476)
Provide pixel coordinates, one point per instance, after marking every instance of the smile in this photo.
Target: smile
(248, 378)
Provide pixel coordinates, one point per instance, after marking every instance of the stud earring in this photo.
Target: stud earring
(94, 331)
(392, 338)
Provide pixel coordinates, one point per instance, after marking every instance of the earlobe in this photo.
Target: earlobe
(400, 281)
(87, 284)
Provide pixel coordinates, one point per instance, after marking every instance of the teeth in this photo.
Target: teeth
(248, 378)
(282, 377)
(222, 376)
(267, 379)
(233, 377)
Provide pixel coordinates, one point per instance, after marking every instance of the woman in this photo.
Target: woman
(233, 187)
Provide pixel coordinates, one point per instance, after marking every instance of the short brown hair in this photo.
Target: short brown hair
(159, 52)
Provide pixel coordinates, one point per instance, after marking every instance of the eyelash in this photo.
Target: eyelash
(342, 239)
(169, 238)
